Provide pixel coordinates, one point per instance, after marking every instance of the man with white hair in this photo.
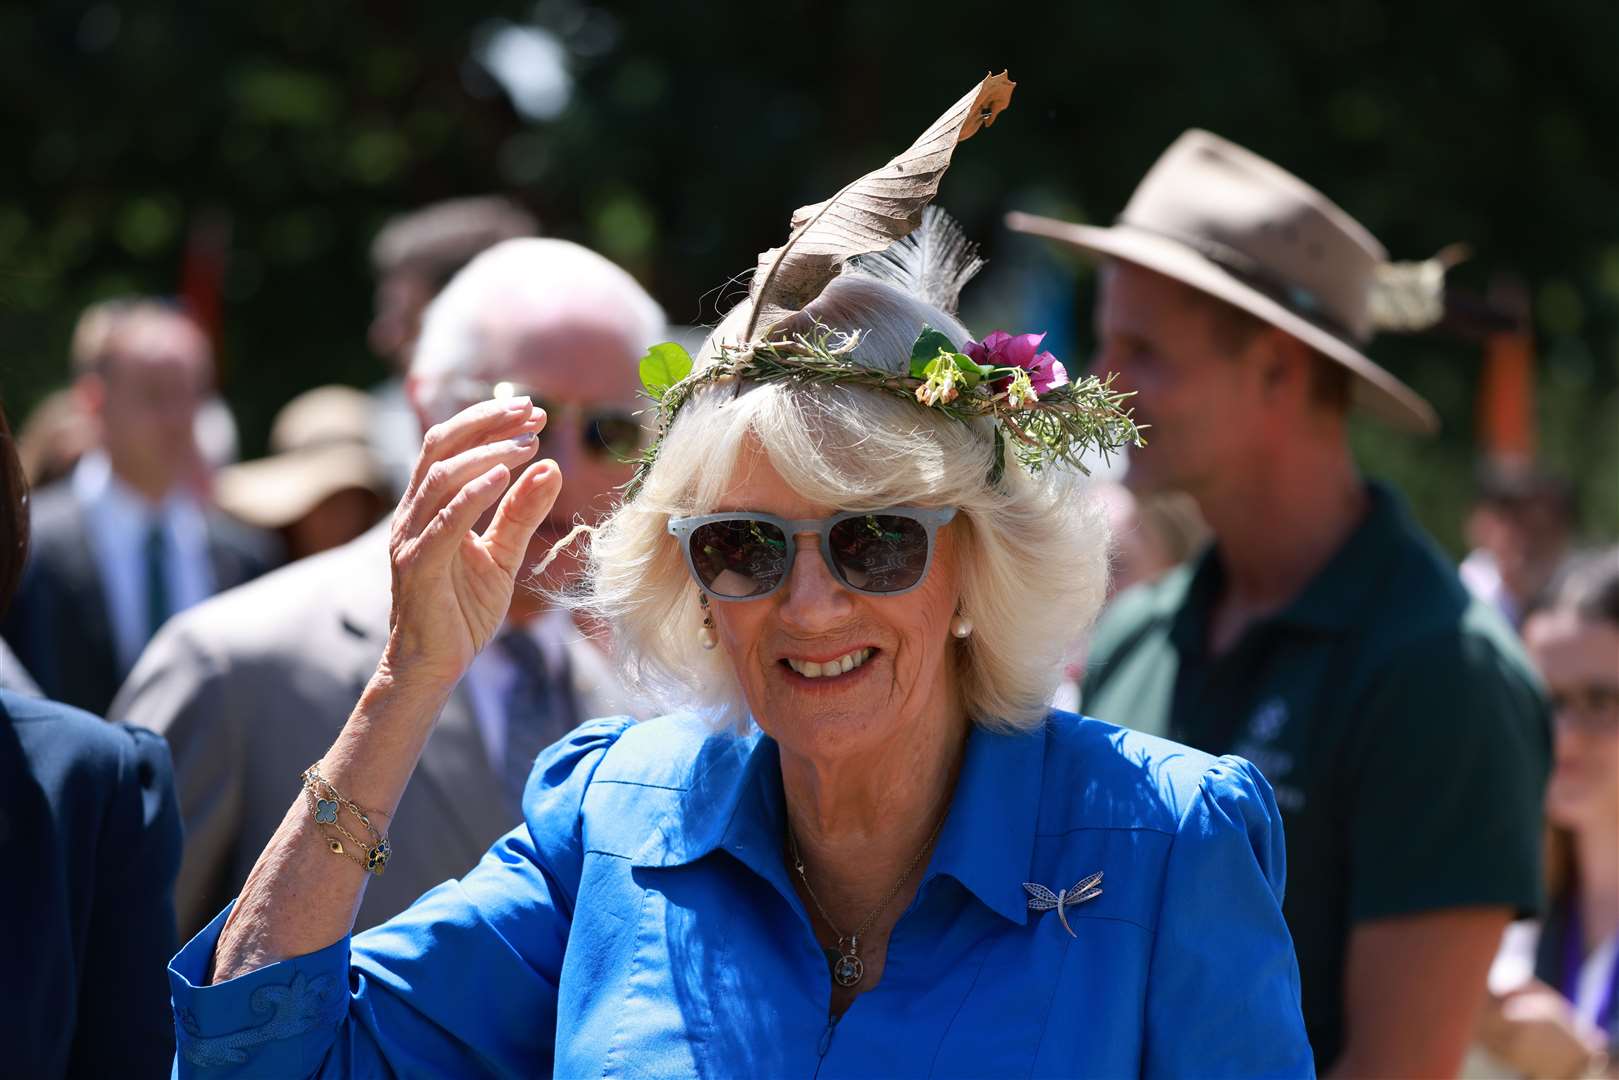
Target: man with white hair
(413, 256)
(252, 686)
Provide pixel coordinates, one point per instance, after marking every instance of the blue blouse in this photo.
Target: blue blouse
(641, 922)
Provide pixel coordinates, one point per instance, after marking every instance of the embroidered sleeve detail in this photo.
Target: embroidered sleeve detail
(295, 1009)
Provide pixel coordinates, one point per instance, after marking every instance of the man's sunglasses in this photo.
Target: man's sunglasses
(745, 556)
(614, 433)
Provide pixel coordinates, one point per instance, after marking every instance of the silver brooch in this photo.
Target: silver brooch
(1043, 899)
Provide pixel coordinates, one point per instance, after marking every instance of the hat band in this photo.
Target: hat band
(1296, 298)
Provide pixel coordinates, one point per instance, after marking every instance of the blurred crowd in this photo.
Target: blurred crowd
(235, 608)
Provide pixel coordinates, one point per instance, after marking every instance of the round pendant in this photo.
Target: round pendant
(848, 970)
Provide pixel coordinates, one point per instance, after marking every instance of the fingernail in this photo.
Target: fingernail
(519, 404)
(526, 439)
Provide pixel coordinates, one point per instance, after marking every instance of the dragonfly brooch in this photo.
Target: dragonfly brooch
(1043, 899)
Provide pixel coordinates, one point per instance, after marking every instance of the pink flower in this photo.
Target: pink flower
(1001, 349)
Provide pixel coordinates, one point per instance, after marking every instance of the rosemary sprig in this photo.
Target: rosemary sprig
(1060, 425)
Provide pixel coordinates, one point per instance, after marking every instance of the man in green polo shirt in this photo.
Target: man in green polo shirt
(1322, 636)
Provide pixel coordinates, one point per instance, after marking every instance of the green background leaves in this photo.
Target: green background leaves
(308, 122)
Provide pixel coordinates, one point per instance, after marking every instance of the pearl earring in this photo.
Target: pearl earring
(706, 636)
(961, 627)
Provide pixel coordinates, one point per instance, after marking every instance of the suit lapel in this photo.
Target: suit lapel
(82, 576)
(223, 562)
(454, 769)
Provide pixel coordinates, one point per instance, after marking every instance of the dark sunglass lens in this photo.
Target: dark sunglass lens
(880, 552)
(614, 435)
(738, 559)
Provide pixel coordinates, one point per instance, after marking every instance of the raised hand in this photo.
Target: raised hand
(452, 584)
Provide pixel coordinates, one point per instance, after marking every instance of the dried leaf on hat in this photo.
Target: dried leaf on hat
(1408, 297)
(870, 213)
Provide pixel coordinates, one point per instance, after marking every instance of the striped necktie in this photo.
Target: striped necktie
(539, 709)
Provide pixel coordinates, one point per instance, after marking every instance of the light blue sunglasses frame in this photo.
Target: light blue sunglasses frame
(930, 518)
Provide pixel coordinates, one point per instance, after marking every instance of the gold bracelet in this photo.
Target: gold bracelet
(372, 857)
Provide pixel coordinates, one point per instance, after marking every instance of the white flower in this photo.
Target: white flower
(1020, 391)
(940, 385)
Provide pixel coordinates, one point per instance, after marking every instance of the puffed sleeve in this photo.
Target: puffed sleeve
(462, 983)
(1224, 985)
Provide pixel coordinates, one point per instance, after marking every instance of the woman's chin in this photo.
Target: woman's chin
(825, 714)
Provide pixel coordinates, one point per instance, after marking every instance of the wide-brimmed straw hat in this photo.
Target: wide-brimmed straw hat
(319, 446)
(1225, 221)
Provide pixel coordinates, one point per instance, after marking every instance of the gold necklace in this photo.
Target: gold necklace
(847, 969)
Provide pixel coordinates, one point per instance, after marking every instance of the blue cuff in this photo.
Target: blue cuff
(276, 1021)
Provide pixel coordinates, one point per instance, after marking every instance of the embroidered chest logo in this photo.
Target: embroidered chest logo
(1258, 744)
(1043, 899)
(1268, 720)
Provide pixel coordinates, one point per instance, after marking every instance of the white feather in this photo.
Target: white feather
(933, 263)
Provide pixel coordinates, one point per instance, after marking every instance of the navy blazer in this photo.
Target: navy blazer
(58, 624)
(89, 845)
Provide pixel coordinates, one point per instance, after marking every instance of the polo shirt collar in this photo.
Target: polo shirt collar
(1337, 594)
(987, 843)
(1186, 599)
(1330, 601)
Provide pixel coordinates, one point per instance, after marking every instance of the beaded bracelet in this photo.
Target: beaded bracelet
(372, 857)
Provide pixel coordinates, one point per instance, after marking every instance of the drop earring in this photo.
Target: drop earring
(961, 627)
(706, 636)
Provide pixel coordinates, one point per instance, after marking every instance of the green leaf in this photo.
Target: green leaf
(971, 372)
(929, 344)
(663, 366)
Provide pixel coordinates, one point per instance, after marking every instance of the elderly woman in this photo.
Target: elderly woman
(865, 847)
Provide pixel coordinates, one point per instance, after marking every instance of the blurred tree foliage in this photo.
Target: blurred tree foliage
(677, 138)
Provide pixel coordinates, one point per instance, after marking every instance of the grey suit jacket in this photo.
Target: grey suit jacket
(252, 686)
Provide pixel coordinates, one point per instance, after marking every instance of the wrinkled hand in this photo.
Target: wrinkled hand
(1536, 1031)
(451, 584)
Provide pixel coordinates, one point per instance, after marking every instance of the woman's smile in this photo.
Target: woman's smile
(839, 669)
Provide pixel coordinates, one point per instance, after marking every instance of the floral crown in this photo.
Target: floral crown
(1039, 412)
(881, 226)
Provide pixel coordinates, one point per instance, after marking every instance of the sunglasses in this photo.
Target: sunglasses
(614, 433)
(746, 556)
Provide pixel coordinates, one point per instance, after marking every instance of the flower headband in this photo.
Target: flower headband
(881, 225)
(1043, 415)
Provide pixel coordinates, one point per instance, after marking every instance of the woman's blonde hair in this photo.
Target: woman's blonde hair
(1033, 550)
